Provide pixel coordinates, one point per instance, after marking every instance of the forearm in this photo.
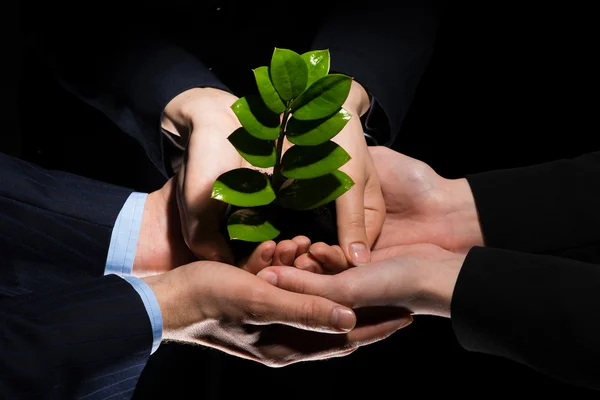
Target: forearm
(128, 72)
(534, 309)
(55, 227)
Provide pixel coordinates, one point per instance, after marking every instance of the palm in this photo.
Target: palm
(413, 195)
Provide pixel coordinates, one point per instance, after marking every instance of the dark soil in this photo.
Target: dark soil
(319, 225)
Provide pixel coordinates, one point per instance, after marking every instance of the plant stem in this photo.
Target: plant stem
(278, 178)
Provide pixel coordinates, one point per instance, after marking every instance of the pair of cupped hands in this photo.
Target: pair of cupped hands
(334, 299)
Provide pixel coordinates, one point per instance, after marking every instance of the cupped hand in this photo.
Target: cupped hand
(298, 252)
(205, 118)
(227, 308)
(422, 206)
(419, 279)
(268, 253)
(361, 210)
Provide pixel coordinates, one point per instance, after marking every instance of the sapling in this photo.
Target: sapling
(299, 101)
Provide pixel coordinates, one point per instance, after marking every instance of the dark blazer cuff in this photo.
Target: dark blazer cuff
(376, 122)
(537, 310)
(92, 339)
(541, 208)
(157, 72)
(386, 46)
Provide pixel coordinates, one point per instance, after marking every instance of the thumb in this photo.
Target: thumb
(300, 281)
(352, 233)
(212, 248)
(312, 313)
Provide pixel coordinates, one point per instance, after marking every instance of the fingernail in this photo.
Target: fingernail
(343, 319)
(268, 276)
(359, 253)
(267, 256)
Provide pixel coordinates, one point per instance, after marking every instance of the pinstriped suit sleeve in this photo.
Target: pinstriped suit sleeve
(64, 331)
(55, 227)
(87, 341)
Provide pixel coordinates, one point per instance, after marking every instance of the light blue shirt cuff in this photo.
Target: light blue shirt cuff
(124, 237)
(121, 253)
(152, 307)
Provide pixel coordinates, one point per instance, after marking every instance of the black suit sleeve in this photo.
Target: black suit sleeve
(539, 310)
(386, 46)
(550, 208)
(55, 227)
(118, 61)
(87, 341)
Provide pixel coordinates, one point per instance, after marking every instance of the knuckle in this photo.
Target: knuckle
(356, 220)
(309, 315)
(297, 285)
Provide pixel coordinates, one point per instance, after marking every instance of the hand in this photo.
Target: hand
(361, 210)
(227, 308)
(417, 278)
(161, 247)
(423, 207)
(204, 119)
(268, 253)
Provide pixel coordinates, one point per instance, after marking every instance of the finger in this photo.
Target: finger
(352, 234)
(375, 209)
(308, 263)
(373, 326)
(260, 258)
(305, 282)
(285, 253)
(303, 244)
(379, 327)
(270, 305)
(331, 258)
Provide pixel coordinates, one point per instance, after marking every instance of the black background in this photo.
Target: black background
(509, 85)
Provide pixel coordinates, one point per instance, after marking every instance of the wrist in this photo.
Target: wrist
(179, 114)
(177, 297)
(164, 290)
(160, 246)
(462, 215)
(358, 102)
(438, 281)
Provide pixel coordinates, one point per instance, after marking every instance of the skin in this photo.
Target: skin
(202, 119)
(431, 224)
(161, 246)
(422, 207)
(230, 309)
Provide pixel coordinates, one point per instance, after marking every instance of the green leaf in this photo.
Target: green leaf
(289, 73)
(306, 194)
(322, 98)
(318, 62)
(314, 132)
(243, 187)
(250, 226)
(267, 90)
(258, 120)
(258, 152)
(301, 162)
